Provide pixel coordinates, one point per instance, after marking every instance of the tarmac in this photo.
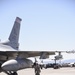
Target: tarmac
(49, 71)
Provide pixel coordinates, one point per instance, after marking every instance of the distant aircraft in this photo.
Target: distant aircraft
(72, 51)
(11, 58)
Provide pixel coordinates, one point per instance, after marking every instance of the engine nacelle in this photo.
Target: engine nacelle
(16, 64)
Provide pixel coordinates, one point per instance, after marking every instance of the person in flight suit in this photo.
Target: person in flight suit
(37, 69)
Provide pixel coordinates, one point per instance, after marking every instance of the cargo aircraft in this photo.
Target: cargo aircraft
(11, 58)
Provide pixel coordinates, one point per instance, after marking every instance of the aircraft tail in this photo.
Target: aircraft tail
(14, 35)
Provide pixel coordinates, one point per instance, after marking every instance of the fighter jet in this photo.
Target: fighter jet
(12, 58)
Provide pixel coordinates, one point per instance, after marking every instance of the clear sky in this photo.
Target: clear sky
(46, 24)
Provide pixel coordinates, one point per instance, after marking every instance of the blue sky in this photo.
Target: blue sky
(46, 24)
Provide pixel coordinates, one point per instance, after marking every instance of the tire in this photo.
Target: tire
(15, 73)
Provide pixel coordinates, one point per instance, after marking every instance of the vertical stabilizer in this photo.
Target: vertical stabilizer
(14, 35)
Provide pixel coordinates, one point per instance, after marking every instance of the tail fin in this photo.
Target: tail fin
(14, 35)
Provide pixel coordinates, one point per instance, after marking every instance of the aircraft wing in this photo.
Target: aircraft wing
(5, 55)
(42, 54)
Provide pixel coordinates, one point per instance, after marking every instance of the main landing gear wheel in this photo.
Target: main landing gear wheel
(15, 73)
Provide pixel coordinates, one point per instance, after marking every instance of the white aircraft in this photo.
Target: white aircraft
(11, 58)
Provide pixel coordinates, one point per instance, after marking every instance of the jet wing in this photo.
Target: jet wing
(42, 54)
(5, 55)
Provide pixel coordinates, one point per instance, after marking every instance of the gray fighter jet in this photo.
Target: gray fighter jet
(11, 58)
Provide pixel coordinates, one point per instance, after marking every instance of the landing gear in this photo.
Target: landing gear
(11, 73)
(14, 73)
